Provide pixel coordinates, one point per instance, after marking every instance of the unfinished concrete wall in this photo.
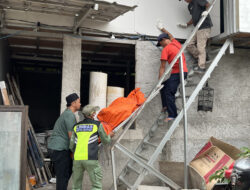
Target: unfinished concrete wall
(229, 120)
(71, 71)
(147, 69)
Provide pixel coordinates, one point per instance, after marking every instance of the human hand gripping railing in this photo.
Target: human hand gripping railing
(155, 91)
(186, 43)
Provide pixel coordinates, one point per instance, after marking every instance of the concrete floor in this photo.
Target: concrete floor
(48, 187)
(52, 186)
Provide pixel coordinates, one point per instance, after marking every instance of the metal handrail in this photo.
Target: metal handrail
(228, 43)
(159, 84)
(152, 94)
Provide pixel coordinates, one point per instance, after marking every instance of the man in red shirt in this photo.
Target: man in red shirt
(171, 48)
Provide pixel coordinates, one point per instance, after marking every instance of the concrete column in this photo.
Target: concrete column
(147, 70)
(71, 71)
(98, 89)
(113, 93)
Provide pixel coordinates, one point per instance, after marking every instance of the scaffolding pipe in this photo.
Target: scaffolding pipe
(185, 127)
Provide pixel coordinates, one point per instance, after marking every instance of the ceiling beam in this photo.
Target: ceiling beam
(54, 35)
(35, 10)
(105, 4)
(31, 33)
(91, 63)
(28, 58)
(61, 49)
(82, 17)
(32, 26)
(57, 4)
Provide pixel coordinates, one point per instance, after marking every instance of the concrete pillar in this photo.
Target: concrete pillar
(98, 89)
(147, 70)
(114, 93)
(71, 71)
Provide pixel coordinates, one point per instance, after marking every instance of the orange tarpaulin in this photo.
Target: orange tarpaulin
(120, 109)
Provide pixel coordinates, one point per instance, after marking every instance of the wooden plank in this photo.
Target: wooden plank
(27, 184)
(10, 86)
(11, 100)
(4, 92)
(32, 166)
(18, 100)
(31, 128)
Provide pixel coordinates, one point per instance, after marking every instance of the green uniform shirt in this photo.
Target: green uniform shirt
(59, 139)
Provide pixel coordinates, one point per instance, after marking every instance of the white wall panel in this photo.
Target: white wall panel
(244, 14)
(142, 20)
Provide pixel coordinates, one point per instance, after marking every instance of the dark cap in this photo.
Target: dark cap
(161, 37)
(71, 98)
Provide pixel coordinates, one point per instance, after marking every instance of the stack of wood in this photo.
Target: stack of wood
(38, 172)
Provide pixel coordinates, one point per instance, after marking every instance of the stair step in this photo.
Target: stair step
(151, 133)
(190, 84)
(125, 182)
(133, 169)
(181, 96)
(214, 51)
(150, 144)
(146, 187)
(159, 122)
(137, 154)
(209, 61)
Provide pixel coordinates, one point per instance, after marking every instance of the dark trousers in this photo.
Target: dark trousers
(168, 94)
(63, 167)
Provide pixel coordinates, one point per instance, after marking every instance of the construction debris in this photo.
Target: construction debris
(4, 93)
(215, 155)
(38, 172)
(42, 139)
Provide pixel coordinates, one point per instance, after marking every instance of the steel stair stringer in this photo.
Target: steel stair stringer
(148, 166)
(227, 44)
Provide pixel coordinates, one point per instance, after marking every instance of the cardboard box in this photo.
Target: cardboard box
(212, 157)
(175, 172)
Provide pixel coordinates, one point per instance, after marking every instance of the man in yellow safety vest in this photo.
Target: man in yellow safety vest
(84, 144)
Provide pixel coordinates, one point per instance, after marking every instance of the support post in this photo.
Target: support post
(147, 167)
(4, 93)
(231, 47)
(113, 168)
(128, 73)
(71, 70)
(82, 17)
(183, 93)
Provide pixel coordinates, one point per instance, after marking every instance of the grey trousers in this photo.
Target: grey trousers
(197, 46)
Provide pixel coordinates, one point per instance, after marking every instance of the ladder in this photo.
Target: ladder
(139, 165)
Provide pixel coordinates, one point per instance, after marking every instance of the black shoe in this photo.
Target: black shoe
(199, 70)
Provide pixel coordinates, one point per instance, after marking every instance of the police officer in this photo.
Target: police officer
(84, 144)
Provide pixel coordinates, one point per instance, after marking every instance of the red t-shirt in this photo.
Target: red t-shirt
(168, 54)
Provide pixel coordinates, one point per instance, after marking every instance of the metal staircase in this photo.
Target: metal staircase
(142, 160)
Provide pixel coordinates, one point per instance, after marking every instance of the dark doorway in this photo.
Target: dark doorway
(38, 69)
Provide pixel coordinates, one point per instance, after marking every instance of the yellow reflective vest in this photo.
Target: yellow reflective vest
(86, 140)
